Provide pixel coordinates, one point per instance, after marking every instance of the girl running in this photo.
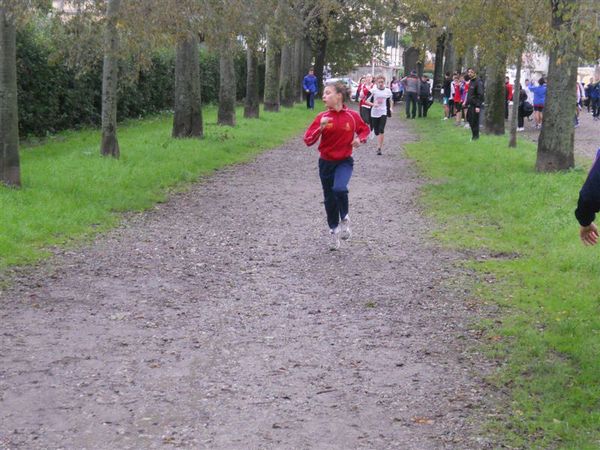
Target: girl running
(340, 130)
(380, 103)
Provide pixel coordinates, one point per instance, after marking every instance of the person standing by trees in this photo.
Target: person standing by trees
(508, 96)
(595, 99)
(474, 101)
(411, 89)
(448, 101)
(539, 100)
(339, 130)
(457, 94)
(309, 84)
(424, 97)
(380, 101)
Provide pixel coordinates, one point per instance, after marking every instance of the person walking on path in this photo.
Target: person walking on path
(474, 102)
(539, 100)
(381, 107)
(309, 84)
(395, 88)
(339, 130)
(411, 89)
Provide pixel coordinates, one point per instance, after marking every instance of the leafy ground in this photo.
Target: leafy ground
(70, 191)
(520, 225)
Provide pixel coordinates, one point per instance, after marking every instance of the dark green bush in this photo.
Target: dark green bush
(53, 97)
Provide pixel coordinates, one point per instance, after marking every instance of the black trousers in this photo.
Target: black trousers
(411, 99)
(473, 118)
(423, 105)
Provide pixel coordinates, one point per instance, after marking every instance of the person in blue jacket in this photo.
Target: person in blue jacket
(539, 100)
(589, 204)
(309, 84)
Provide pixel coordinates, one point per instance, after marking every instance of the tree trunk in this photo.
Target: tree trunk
(495, 97)
(286, 82)
(272, 69)
(320, 57)
(251, 105)
(469, 58)
(187, 120)
(307, 63)
(110, 72)
(450, 57)
(556, 143)
(227, 91)
(438, 71)
(516, 102)
(297, 74)
(10, 172)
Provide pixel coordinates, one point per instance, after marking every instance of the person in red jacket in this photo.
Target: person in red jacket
(508, 96)
(339, 130)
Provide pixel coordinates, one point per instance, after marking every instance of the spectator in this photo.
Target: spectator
(508, 89)
(424, 97)
(474, 102)
(539, 100)
(309, 84)
(411, 89)
(447, 96)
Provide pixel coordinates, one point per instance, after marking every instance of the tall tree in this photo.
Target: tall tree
(251, 103)
(556, 143)
(272, 69)
(438, 71)
(10, 173)
(110, 70)
(187, 118)
(227, 85)
(286, 77)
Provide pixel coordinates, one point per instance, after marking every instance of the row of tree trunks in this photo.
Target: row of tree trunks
(495, 96)
(438, 71)
(272, 73)
(450, 55)
(110, 73)
(187, 120)
(227, 86)
(10, 173)
(286, 83)
(516, 102)
(557, 139)
(251, 105)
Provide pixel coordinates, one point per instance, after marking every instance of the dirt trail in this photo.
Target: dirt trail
(220, 320)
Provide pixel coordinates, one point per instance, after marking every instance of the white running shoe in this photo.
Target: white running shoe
(334, 242)
(346, 232)
(520, 129)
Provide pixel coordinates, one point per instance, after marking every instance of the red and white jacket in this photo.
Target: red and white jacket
(337, 136)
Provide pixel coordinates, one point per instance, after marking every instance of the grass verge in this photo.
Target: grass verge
(488, 197)
(71, 192)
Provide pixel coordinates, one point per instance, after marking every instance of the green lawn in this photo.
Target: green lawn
(70, 192)
(488, 197)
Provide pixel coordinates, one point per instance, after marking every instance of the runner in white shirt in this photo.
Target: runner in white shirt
(381, 106)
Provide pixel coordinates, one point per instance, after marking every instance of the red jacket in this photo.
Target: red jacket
(338, 134)
(509, 91)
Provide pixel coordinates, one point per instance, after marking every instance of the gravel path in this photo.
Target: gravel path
(220, 320)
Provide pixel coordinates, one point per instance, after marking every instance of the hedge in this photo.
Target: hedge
(53, 97)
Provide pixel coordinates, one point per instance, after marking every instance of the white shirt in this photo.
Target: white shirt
(379, 101)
